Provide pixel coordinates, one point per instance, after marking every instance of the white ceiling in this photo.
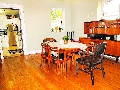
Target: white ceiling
(9, 11)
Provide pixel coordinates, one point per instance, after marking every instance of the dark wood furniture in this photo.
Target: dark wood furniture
(98, 31)
(91, 61)
(49, 40)
(112, 48)
(109, 27)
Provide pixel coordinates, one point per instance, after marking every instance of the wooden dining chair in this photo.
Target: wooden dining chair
(49, 40)
(61, 58)
(68, 58)
(46, 55)
(71, 54)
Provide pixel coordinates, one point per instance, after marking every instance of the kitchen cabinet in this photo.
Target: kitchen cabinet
(109, 27)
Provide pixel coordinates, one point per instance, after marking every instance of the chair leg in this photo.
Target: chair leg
(47, 66)
(0, 60)
(41, 61)
(66, 67)
(91, 73)
(70, 64)
(57, 67)
(76, 68)
(103, 72)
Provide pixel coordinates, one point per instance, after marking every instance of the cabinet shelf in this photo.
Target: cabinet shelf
(109, 27)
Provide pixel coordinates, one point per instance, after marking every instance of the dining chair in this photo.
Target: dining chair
(46, 55)
(71, 53)
(49, 40)
(92, 61)
(51, 55)
(61, 58)
(60, 61)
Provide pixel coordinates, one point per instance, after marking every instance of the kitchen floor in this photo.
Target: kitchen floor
(18, 44)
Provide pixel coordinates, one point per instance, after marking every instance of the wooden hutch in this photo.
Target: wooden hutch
(104, 31)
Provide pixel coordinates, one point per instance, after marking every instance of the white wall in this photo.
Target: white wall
(100, 10)
(37, 20)
(80, 10)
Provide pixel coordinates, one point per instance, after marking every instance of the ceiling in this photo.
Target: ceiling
(9, 11)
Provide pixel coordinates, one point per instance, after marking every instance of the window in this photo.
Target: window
(56, 20)
(111, 9)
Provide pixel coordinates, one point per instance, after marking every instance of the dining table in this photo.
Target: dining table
(69, 48)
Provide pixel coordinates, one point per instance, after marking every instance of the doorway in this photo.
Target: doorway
(12, 30)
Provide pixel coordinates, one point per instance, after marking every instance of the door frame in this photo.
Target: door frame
(21, 13)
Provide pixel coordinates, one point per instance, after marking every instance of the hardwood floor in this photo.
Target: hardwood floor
(25, 73)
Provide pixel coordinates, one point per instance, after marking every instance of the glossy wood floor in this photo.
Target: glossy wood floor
(25, 73)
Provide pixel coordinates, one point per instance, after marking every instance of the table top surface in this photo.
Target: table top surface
(69, 45)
